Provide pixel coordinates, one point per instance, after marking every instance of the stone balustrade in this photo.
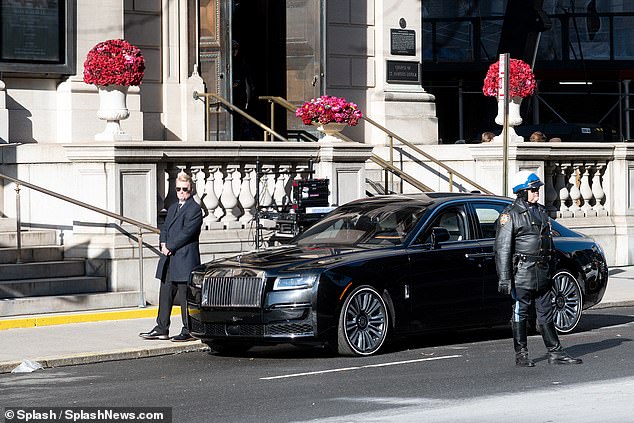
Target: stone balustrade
(228, 192)
(575, 189)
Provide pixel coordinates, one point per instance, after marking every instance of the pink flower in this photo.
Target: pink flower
(327, 109)
(521, 83)
(114, 62)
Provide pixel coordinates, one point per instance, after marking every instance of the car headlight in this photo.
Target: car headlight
(197, 279)
(294, 282)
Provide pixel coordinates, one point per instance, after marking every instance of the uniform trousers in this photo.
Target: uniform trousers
(525, 299)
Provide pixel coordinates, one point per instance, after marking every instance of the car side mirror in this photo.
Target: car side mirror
(439, 235)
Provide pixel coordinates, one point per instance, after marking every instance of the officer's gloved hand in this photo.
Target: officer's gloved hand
(504, 287)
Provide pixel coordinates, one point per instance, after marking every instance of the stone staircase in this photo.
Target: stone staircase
(46, 282)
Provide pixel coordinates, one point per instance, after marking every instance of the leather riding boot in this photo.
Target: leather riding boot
(556, 354)
(520, 343)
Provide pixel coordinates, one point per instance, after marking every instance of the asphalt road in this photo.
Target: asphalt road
(466, 377)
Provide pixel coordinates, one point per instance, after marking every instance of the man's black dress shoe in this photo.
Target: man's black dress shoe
(183, 337)
(154, 334)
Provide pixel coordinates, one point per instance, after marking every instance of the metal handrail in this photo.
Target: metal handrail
(272, 99)
(398, 172)
(122, 218)
(284, 103)
(449, 169)
(232, 107)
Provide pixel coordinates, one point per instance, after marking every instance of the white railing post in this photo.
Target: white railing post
(575, 193)
(586, 192)
(598, 192)
(228, 198)
(564, 194)
(246, 197)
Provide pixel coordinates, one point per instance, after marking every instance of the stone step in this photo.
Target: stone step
(40, 270)
(32, 254)
(52, 286)
(29, 238)
(68, 303)
(7, 224)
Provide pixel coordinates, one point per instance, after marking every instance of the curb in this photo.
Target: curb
(82, 317)
(90, 358)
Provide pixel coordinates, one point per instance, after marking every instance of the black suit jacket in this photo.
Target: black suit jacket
(180, 233)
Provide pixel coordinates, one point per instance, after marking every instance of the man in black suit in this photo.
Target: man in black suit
(179, 255)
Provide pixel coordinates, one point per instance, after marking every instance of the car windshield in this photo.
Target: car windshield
(380, 225)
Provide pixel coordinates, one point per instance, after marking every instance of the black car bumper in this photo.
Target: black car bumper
(274, 325)
(287, 316)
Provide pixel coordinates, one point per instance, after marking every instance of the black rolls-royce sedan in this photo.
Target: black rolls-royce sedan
(378, 267)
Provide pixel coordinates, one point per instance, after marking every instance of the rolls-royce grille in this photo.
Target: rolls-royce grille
(232, 292)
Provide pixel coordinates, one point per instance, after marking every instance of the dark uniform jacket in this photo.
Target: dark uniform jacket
(180, 233)
(524, 246)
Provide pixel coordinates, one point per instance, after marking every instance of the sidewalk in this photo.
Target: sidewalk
(91, 337)
(87, 337)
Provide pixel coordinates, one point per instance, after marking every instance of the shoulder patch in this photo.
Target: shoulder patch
(504, 218)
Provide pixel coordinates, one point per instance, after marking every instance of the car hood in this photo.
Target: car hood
(290, 257)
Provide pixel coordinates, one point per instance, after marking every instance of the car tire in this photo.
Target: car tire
(363, 323)
(567, 301)
(228, 347)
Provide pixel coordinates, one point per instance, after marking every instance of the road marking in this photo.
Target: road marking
(367, 366)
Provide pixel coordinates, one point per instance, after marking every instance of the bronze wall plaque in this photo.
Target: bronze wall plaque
(401, 72)
(403, 42)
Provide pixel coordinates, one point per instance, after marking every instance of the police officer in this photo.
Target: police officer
(524, 255)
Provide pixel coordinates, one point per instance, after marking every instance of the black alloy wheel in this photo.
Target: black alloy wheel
(567, 301)
(363, 323)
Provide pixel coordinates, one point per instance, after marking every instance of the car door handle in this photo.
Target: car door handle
(472, 256)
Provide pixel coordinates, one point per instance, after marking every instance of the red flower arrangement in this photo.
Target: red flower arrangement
(114, 62)
(328, 109)
(521, 82)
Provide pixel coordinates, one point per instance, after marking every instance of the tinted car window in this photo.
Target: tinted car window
(453, 220)
(383, 225)
(487, 215)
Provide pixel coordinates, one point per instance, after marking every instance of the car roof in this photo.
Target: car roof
(427, 199)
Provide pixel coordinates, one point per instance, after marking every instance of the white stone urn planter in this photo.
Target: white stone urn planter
(331, 131)
(112, 109)
(515, 119)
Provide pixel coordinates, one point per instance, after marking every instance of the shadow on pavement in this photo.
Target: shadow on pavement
(592, 321)
(594, 347)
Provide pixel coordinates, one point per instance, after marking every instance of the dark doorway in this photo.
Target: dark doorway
(259, 64)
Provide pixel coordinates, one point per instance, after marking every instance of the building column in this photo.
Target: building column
(398, 101)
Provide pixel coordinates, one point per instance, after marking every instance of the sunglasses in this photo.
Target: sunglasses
(533, 189)
(184, 189)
